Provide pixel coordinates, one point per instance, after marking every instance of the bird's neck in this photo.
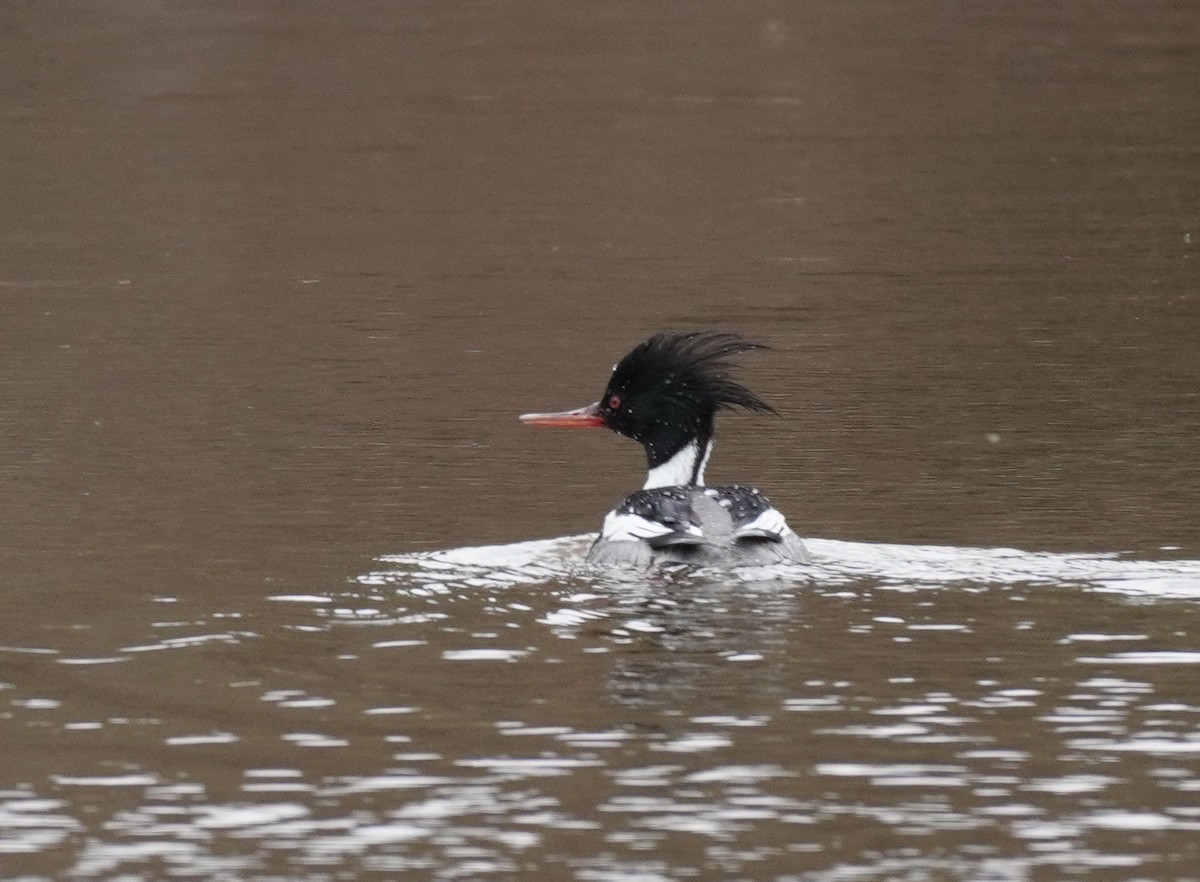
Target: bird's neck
(684, 468)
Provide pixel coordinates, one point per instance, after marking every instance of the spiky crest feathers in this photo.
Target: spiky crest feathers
(692, 370)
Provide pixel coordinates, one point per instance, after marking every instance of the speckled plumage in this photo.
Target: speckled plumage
(708, 526)
(665, 394)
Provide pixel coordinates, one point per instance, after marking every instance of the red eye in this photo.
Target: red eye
(614, 402)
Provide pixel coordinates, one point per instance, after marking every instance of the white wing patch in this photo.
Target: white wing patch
(770, 524)
(629, 527)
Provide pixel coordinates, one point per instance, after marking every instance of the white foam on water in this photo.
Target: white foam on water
(901, 567)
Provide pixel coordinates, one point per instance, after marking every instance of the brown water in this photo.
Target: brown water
(276, 279)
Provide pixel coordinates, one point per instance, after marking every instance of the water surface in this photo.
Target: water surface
(279, 597)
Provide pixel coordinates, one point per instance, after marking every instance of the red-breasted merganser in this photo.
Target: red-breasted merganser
(665, 395)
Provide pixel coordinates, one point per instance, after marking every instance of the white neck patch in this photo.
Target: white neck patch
(677, 471)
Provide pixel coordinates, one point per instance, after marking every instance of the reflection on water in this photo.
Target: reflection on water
(1034, 713)
(277, 278)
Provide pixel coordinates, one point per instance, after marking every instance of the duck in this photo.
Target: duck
(665, 394)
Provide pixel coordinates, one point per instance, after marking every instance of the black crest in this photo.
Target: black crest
(667, 390)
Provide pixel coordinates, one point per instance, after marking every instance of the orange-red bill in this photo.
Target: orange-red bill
(580, 418)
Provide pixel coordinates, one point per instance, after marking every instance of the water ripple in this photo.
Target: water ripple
(835, 563)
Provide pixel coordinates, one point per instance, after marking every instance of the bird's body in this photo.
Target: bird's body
(707, 526)
(665, 394)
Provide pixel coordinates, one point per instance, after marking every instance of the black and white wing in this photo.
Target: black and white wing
(710, 525)
(756, 522)
(660, 518)
(752, 514)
